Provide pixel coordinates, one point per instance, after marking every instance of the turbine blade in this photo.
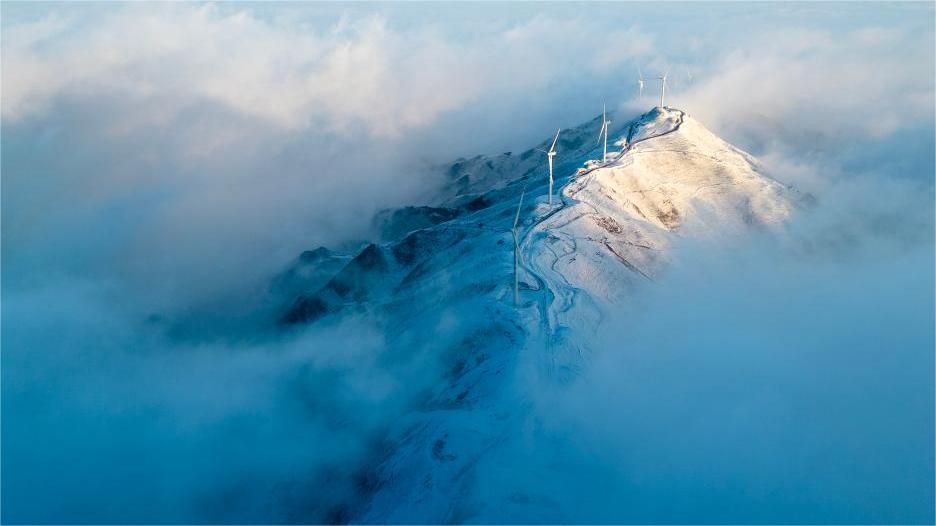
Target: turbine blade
(517, 217)
(553, 147)
(604, 130)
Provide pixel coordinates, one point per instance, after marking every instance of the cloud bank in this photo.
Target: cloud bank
(765, 387)
(247, 134)
(161, 162)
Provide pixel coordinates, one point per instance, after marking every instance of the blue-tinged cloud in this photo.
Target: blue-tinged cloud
(162, 161)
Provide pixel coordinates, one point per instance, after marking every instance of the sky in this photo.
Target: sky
(162, 161)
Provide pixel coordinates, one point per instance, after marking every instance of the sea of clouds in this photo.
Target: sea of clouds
(161, 162)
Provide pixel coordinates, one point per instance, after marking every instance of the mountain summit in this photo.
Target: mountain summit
(669, 177)
(441, 283)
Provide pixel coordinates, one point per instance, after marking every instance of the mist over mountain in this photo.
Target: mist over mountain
(259, 263)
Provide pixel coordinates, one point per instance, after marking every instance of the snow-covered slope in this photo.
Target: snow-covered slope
(441, 282)
(672, 177)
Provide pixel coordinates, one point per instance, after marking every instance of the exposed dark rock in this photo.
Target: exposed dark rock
(397, 223)
(306, 309)
(438, 450)
(311, 256)
(608, 224)
(422, 243)
(478, 203)
(668, 215)
(311, 270)
(456, 168)
(570, 144)
(371, 258)
(352, 283)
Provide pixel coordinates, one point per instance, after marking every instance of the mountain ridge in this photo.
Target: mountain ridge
(443, 291)
(408, 233)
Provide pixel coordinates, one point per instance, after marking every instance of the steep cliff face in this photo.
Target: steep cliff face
(442, 284)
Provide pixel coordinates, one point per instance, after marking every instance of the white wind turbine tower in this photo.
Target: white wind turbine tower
(516, 241)
(549, 155)
(662, 89)
(640, 84)
(604, 130)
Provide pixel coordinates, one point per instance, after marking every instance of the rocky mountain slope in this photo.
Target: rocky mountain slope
(441, 283)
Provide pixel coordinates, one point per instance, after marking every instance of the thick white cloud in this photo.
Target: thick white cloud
(245, 138)
(286, 72)
(203, 146)
(862, 83)
(168, 158)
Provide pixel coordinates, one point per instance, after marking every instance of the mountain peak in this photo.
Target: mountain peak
(665, 175)
(609, 228)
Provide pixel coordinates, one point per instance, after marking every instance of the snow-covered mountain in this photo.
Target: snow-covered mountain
(440, 280)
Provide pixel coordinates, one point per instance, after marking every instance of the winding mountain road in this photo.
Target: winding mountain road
(555, 301)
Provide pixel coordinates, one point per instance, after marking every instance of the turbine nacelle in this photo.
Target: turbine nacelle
(552, 148)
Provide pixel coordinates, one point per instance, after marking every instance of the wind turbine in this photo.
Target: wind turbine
(639, 84)
(662, 89)
(516, 241)
(549, 155)
(604, 129)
